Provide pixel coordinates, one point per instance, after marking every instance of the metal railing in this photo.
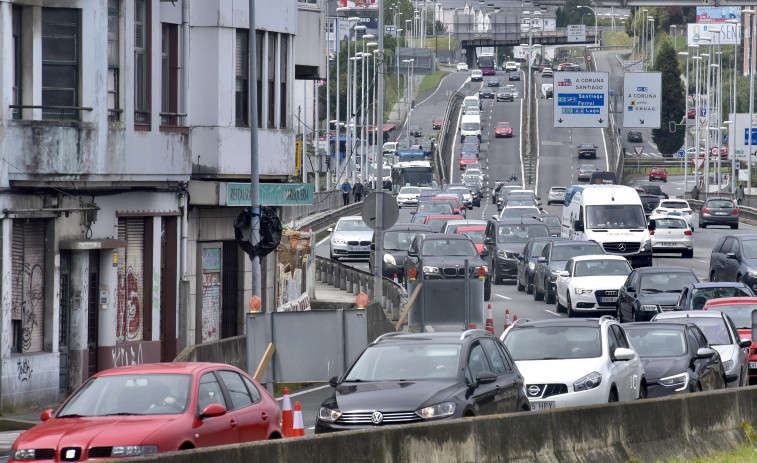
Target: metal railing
(73, 111)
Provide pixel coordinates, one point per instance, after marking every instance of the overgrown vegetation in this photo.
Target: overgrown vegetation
(743, 454)
(432, 81)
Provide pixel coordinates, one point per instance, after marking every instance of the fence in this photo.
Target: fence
(322, 201)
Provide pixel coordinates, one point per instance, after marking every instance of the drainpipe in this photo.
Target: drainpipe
(184, 232)
(185, 56)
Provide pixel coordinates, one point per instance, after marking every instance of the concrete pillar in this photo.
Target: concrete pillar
(348, 284)
(343, 279)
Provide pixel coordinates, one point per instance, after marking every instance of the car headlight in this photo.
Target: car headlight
(22, 454)
(589, 381)
(436, 411)
(427, 269)
(389, 259)
(531, 265)
(501, 254)
(679, 382)
(752, 273)
(648, 308)
(583, 291)
(338, 241)
(646, 246)
(727, 365)
(133, 450)
(328, 415)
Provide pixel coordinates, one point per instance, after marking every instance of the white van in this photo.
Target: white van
(390, 148)
(470, 126)
(471, 102)
(611, 215)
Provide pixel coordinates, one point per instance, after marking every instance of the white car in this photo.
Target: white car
(671, 234)
(476, 75)
(590, 284)
(351, 237)
(573, 362)
(408, 196)
(474, 173)
(462, 66)
(514, 90)
(674, 208)
(556, 195)
(511, 66)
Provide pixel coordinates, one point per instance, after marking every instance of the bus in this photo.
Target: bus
(343, 147)
(487, 62)
(413, 173)
(410, 154)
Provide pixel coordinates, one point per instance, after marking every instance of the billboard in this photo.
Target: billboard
(722, 33)
(576, 33)
(714, 14)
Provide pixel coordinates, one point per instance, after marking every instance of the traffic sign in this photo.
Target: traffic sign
(681, 153)
(580, 99)
(702, 111)
(588, 57)
(714, 151)
(702, 120)
(698, 163)
(638, 149)
(391, 211)
(642, 99)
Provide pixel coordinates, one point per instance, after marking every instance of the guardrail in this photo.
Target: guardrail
(320, 221)
(451, 116)
(355, 281)
(322, 201)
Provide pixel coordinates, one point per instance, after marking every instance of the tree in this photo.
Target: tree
(673, 102)
(570, 13)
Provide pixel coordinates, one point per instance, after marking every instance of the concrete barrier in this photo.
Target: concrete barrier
(685, 426)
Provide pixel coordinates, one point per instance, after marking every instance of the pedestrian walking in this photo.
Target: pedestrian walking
(357, 190)
(740, 194)
(346, 188)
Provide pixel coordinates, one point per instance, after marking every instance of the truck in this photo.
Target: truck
(611, 215)
(547, 91)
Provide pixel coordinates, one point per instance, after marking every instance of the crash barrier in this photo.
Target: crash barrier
(442, 303)
(232, 351)
(322, 201)
(357, 281)
(446, 141)
(322, 220)
(684, 427)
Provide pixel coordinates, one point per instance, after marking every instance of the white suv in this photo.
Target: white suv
(462, 66)
(476, 75)
(570, 362)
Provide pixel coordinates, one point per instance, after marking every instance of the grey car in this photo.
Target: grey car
(585, 171)
(351, 237)
(719, 211)
(556, 194)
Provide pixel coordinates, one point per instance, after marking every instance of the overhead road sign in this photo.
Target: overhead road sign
(580, 99)
(576, 33)
(642, 99)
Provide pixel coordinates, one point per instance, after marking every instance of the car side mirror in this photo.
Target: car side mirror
(578, 226)
(373, 246)
(412, 253)
(47, 414)
(541, 259)
(488, 240)
(521, 257)
(330, 229)
(622, 353)
(334, 381)
(485, 377)
(705, 352)
(213, 410)
(630, 289)
(732, 255)
(495, 218)
(745, 343)
(484, 253)
(563, 273)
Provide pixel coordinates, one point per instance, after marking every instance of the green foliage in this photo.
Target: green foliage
(405, 7)
(571, 14)
(673, 103)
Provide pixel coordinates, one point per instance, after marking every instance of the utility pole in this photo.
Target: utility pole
(254, 168)
(377, 283)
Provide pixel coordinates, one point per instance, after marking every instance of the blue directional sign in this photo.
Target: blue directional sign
(581, 99)
(681, 153)
(754, 136)
(703, 111)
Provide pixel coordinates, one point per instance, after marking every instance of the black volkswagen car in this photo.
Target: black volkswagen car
(504, 240)
(553, 258)
(676, 356)
(734, 258)
(650, 290)
(397, 241)
(418, 377)
(527, 262)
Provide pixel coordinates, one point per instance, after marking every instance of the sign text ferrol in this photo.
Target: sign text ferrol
(271, 194)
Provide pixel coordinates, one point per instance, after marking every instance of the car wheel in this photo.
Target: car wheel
(633, 314)
(735, 226)
(537, 295)
(487, 290)
(529, 287)
(723, 383)
(497, 279)
(559, 308)
(613, 396)
(688, 254)
(713, 276)
(702, 224)
(549, 298)
(571, 314)
(698, 388)
(643, 391)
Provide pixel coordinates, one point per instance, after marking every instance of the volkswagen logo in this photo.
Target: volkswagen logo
(533, 390)
(622, 247)
(377, 417)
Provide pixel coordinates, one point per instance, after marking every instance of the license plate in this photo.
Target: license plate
(720, 213)
(669, 244)
(542, 405)
(358, 248)
(674, 213)
(753, 365)
(608, 299)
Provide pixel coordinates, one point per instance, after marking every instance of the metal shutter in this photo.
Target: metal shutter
(130, 312)
(29, 282)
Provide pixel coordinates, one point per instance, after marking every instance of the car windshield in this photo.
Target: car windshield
(537, 248)
(551, 220)
(656, 342)
(514, 212)
(406, 362)
(136, 394)
(616, 216)
(594, 268)
(436, 223)
(441, 247)
(714, 330)
(471, 126)
(477, 236)
(399, 240)
(700, 296)
(588, 167)
(741, 314)
(511, 202)
(435, 207)
(720, 203)
(557, 189)
(352, 225)
(503, 125)
(671, 223)
(564, 342)
(749, 248)
(410, 190)
(569, 251)
(668, 282)
(520, 233)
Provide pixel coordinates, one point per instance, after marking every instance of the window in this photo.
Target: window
(259, 71)
(209, 392)
(240, 398)
(114, 112)
(476, 363)
(17, 55)
(60, 63)
(142, 41)
(495, 356)
(283, 80)
(272, 39)
(169, 108)
(254, 392)
(242, 98)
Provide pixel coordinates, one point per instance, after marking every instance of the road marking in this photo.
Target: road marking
(553, 313)
(702, 261)
(323, 240)
(306, 391)
(503, 297)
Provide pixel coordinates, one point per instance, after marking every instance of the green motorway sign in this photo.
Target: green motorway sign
(271, 194)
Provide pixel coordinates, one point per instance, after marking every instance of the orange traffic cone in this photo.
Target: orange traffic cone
(515, 319)
(507, 318)
(472, 326)
(298, 429)
(286, 414)
(489, 320)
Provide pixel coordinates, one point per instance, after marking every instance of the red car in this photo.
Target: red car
(476, 234)
(740, 310)
(152, 408)
(503, 129)
(437, 123)
(691, 113)
(467, 159)
(436, 222)
(658, 173)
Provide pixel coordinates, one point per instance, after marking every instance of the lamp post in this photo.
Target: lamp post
(673, 29)
(363, 113)
(596, 37)
(706, 69)
(686, 131)
(651, 48)
(750, 138)
(408, 91)
(644, 37)
(697, 60)
(352, 121)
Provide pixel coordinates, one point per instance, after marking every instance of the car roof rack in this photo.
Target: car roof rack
(469, 332)
(388, 335)
(606, 317)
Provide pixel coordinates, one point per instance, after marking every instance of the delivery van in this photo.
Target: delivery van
(611, 215)
(470, 126)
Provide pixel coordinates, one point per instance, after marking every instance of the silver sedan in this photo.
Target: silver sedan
(351, 237)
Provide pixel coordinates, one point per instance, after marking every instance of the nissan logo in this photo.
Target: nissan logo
(622, 247)
(533, 390)
(377, 417)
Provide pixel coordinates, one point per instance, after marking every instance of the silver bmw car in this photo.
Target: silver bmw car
(351, 237)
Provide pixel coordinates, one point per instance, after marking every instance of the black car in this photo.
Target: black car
(397, 241)
(654, 190)
(513, 75)
(418, 377)
(676, 356)
(493, 82)
(502, 187)
(650, 290)
(486, 92)
(553, 258)
(475, 191)
(441, 256)
(505, 95)
(649, 202)
(527, 262)
(734, 258)
(634, 136)
(415, 131)
(553, 223)
(504, 241)
(587, 150)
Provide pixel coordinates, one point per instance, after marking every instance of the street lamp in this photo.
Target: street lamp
(595, 22)
(651, 49)
(409, 97)
(686, 131)
(751, 99)
(363, 98)
(673, 33)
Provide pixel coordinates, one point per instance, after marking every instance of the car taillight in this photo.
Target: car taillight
(687, 233)
(705, 211)
(651, 232)
(735, 211)
(658, 211)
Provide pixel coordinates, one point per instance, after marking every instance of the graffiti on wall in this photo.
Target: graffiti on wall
(24, 369)
(30, 283)
(129, 310)
(126, 355)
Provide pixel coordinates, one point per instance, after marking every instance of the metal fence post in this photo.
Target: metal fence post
(348, 284)
(342, 278)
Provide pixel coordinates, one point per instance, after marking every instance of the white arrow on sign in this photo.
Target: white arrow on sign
(638, 149)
